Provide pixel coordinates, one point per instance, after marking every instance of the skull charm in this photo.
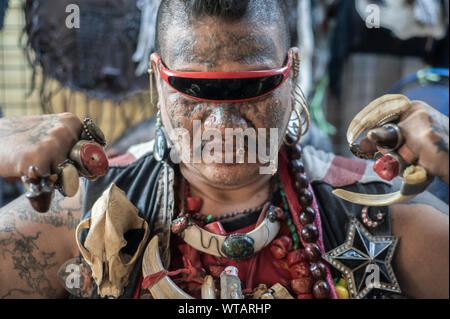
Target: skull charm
(112, 216)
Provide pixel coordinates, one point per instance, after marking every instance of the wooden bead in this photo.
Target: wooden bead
(310, 233)
(313, 253)
(301, 182)
(307, 216)
(321, 290)
(297, 167)
(289, 139)
(305, 198)
(318, 271)
(295, 152)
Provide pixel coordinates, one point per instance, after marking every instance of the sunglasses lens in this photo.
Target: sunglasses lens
(226, 89)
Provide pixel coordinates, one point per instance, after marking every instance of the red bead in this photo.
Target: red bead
(318, 271)
(313, 253)
(301, 182)
(321, 290)
(284, 241)
(305, 296)
(94, 159)
(194, 204)
(302, 285)
(295, 257)
(216, 228)
(278, 252)
(310, 234)
(305, 198)
(281, 246)
(300, 270)
(387, 167)
(307, 216)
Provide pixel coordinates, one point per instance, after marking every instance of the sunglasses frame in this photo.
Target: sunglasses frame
(167, 73)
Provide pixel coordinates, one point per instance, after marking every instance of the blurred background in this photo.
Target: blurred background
(353, 51)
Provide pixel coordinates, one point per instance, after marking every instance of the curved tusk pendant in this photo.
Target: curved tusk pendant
(372, 200)
(387, 108)
(415, 182)
(235, 246)
(151, 264)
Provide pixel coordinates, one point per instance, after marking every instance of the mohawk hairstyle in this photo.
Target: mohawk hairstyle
(179, 11)
(221, 8)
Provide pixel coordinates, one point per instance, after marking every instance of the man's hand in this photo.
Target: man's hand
(426, 139)
(43, 141)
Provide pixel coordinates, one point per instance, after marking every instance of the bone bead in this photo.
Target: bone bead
(70, 180)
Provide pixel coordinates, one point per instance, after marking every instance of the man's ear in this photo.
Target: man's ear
(154, 59)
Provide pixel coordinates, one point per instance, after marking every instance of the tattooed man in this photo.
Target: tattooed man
(211, 39)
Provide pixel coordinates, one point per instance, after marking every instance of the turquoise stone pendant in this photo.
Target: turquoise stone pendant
(238, 247)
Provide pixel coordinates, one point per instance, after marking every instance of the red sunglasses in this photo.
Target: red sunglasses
(225, 86)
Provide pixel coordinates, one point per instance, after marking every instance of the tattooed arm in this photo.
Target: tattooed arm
(42, 140)
(33, 246)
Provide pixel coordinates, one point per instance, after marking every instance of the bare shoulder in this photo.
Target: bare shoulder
(33, 246)
(422, 258)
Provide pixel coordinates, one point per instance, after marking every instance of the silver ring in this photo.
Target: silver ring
(92, 132)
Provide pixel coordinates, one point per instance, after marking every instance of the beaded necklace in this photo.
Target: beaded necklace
(301, 253)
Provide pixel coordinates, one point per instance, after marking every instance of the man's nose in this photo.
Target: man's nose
(225, 116)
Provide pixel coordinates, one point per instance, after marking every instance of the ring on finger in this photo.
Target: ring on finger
(399, 138)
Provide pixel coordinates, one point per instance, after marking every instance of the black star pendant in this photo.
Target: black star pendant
(365, 261)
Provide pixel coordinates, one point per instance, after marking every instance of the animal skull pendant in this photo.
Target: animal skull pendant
(112, 216)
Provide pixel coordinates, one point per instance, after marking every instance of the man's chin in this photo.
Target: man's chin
(228, 174)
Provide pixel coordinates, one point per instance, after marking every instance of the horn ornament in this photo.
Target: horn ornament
(383, 110)
(152, 264)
